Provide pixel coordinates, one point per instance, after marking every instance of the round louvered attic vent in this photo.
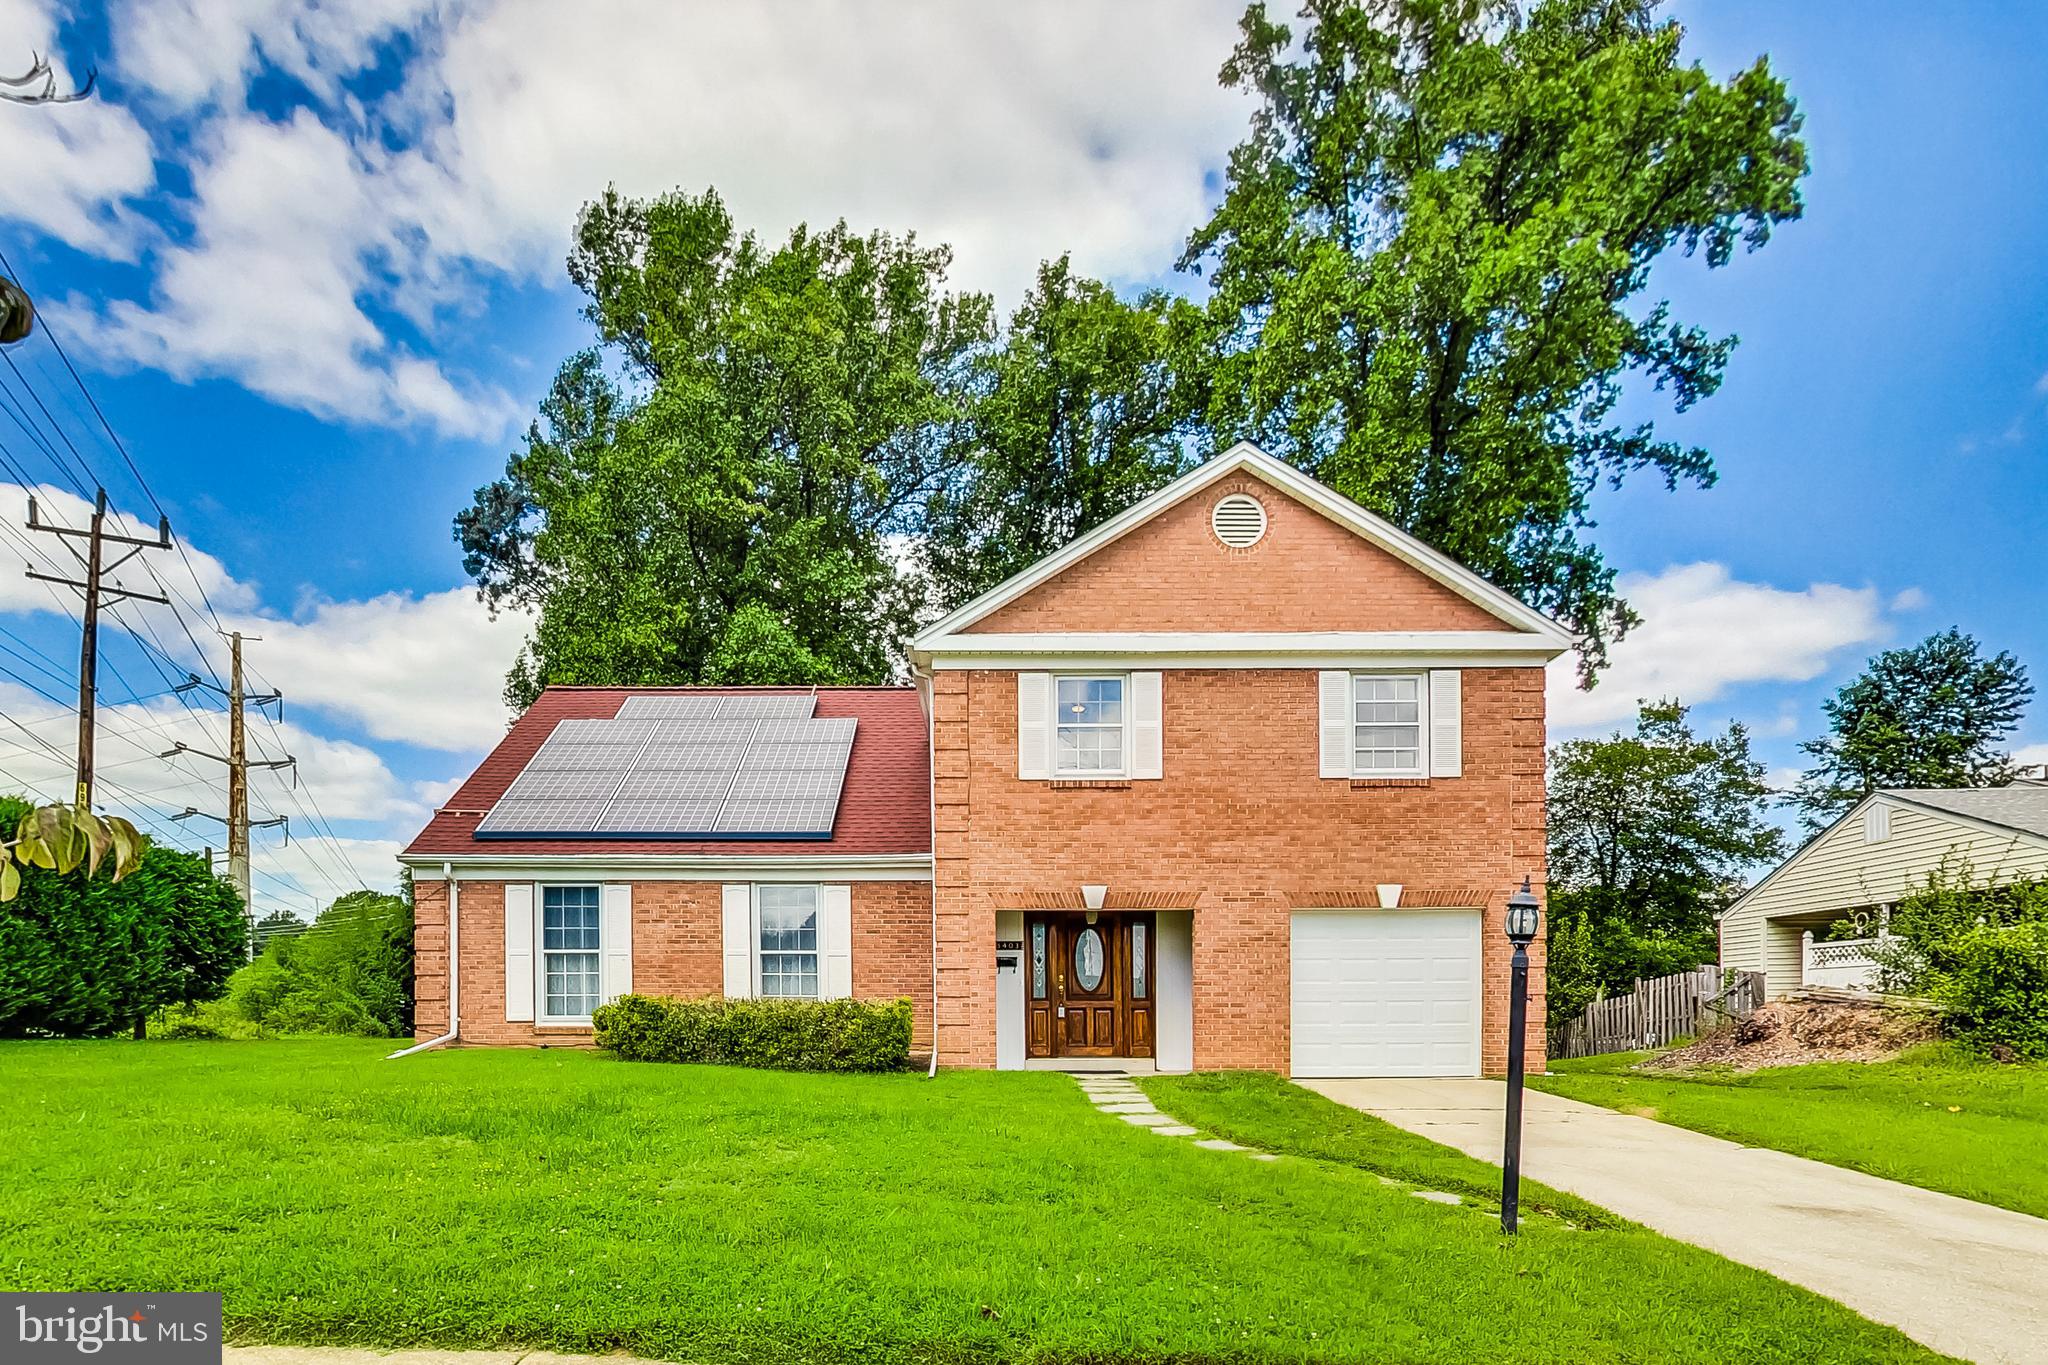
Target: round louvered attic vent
(1238, 520)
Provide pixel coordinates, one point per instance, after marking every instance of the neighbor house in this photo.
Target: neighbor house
(1813, 921)
(1241, 778)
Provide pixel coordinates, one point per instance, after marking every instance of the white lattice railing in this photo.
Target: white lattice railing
(1843, 962)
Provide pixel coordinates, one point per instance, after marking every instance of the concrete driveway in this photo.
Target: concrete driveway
(1961, 1277)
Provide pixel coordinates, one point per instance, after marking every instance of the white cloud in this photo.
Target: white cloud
(69, 167)
(286, 234)
(2031, 756)
(1011, 132)
(1704, 632)
(423, 670)
(194, 52)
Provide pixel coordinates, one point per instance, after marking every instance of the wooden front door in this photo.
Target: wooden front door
(1088, 987)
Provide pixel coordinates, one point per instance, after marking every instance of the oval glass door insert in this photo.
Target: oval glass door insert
(1088, 959)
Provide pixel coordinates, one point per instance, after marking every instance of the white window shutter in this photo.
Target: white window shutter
(739, 941)
(518, 952)
(1034, 725)
(835, 942)
(1333, 698)
(617, 939)
(1148, 731)
(1446, 723)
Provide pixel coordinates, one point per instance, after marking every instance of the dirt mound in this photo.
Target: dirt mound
(1789, 1032)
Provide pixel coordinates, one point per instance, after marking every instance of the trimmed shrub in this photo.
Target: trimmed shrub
(783, 1035)
(1997, 989)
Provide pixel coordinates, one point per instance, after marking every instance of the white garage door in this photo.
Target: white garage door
(1386, 993)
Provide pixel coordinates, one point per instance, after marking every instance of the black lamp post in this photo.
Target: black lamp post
(1524, 918)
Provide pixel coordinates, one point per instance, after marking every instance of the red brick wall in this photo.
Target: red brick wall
(1284, 583)
(1241, 830)
(677, 950)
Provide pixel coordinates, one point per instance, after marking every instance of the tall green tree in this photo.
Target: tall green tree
(349, 971)
(1088, 405)
(82, 956)
(1650, 833)
(1933, 715)
(1428, 260)
(715, 495)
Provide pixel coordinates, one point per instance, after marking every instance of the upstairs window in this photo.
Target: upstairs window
(1089, 715)
(1387, 725)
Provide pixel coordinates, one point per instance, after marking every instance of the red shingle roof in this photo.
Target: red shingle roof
(885, 806)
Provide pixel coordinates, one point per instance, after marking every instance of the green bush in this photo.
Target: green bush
(186, 1028)
(83, 956)
(349, 971)
(786, 1035)
(1997, 989)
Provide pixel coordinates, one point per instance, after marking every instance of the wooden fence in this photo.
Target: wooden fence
(1659, 1011)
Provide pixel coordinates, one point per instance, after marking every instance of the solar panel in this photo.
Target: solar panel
(728, 705)
(836, 728)
(663, 707)
(682, 766)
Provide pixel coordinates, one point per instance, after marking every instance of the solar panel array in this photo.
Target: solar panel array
(730, 766)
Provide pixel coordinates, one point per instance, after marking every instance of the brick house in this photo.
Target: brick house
(1241, 778)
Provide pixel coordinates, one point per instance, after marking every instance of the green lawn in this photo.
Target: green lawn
(1934, 1117)
(564, 1200)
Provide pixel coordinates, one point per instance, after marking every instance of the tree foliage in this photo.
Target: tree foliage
(1931, 715)
(1649, 835)
(1425, 262)
(1088, 405)
(1981, 949)
(722, 508)
(61, 838)
(349, 971)
(82, 956)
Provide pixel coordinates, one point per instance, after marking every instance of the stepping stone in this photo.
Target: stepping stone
(1220, 1145)
(1265, 1156)
(1176, 1130)
(1124, 1104)
(1436, 1196)
(1150, 1119)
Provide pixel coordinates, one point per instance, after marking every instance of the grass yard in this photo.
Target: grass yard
(1935, 1117)
(564, 1200)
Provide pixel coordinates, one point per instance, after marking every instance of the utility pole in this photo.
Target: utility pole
(238, 765)
(94, 588)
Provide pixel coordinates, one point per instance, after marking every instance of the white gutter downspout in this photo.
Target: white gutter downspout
(928, 692)
(454, 973)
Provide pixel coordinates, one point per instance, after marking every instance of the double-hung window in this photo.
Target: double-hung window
(786, 919)
(1388, 726)
(1088, 714)
(569, 932)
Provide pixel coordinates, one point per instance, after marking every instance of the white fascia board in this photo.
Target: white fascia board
(1241, 457)
(485, 867)
(1244, 649)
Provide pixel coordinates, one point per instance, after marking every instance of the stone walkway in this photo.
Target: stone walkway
(1119, 1096)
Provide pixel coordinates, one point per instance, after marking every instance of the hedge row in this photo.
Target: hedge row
(786, 1035)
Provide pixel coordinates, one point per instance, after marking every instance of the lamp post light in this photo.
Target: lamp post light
(1524, 918)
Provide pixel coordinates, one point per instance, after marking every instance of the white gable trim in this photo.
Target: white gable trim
(1117, 651)
(1247, 458)
(1855, 812)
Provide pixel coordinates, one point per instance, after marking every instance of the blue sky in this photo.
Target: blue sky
(310, 264)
